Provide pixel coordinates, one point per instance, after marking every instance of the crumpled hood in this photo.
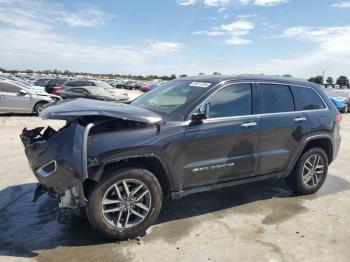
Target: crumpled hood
(75, 108)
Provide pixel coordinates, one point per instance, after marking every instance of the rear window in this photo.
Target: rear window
(307, 99)
(275, 99)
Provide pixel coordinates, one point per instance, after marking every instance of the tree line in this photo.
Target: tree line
(341, 81)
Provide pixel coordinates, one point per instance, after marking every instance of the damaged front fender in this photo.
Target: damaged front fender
(57, 158)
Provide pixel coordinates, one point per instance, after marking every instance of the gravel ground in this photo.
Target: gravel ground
(261, 221)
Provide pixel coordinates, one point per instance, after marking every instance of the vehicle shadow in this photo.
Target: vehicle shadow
(26, 228)
(17, 114)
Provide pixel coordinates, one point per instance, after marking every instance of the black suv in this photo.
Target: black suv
(119, 161)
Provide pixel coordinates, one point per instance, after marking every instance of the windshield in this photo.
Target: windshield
(172, 96)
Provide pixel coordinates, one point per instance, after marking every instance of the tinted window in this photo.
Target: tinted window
(75, 83)
(69, 83)
(79, 90)
(232, 100)
(9, 88)
(307, 99)
(88, 83)
(275, 99)
(60, 81)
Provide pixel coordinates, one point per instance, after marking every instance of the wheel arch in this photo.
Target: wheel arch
(39, 102)
(150, 162)
(322, 141)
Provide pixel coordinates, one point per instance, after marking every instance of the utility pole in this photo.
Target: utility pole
(323, 75)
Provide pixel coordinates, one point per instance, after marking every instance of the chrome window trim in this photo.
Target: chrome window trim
(257, 115)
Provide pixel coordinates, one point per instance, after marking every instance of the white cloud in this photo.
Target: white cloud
(209, 33)
(345, 4)
(225, 3)
(238, 28)
(237, 41)
(332, 53)
(313, 34)
(233, 31)
(244, 17)
(83, 18)
(216, 2)
(41, 15)
(38, 49)
(31, 40)
(269, 2)
(166, 47)
(186, 2)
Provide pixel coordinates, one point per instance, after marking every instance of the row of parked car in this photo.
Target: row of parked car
(18, 95)
(340, 98)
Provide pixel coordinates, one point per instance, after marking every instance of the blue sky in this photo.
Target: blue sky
(298, 37)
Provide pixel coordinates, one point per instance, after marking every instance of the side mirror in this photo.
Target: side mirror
(202, 113)
(23, 92)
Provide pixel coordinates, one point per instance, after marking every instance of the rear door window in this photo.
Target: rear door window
(275, 98)
(307, 99)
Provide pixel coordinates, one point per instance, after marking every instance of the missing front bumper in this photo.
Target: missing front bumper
(56, 157)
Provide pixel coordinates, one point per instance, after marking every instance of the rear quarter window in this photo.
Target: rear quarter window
(307, 99)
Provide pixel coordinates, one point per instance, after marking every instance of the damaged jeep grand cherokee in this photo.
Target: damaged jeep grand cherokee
(118, 161)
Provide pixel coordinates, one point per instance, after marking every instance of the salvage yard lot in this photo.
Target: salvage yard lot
(262, 221)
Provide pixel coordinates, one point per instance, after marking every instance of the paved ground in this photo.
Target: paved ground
(255, 222)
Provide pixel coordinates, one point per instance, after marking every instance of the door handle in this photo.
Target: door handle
(249, 124)
(2, 97)
(299, 119)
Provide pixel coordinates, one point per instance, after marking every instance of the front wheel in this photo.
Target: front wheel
(125, 203)
(39, 107)
(310, 172)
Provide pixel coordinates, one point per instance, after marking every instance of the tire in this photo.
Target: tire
(116, 224)
(344, 109)
(296, 180)
(39, 107)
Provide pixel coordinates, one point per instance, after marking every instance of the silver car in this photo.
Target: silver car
(17, 98)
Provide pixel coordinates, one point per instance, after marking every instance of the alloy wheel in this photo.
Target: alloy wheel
(126, 203)
(313, 171)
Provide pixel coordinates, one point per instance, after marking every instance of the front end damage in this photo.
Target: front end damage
(59, 158)
(58, 162)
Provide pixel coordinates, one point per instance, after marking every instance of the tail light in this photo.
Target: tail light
(339, 117)
(55, 89)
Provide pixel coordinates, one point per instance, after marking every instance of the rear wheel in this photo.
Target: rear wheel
(125, 203)
(310, 172)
